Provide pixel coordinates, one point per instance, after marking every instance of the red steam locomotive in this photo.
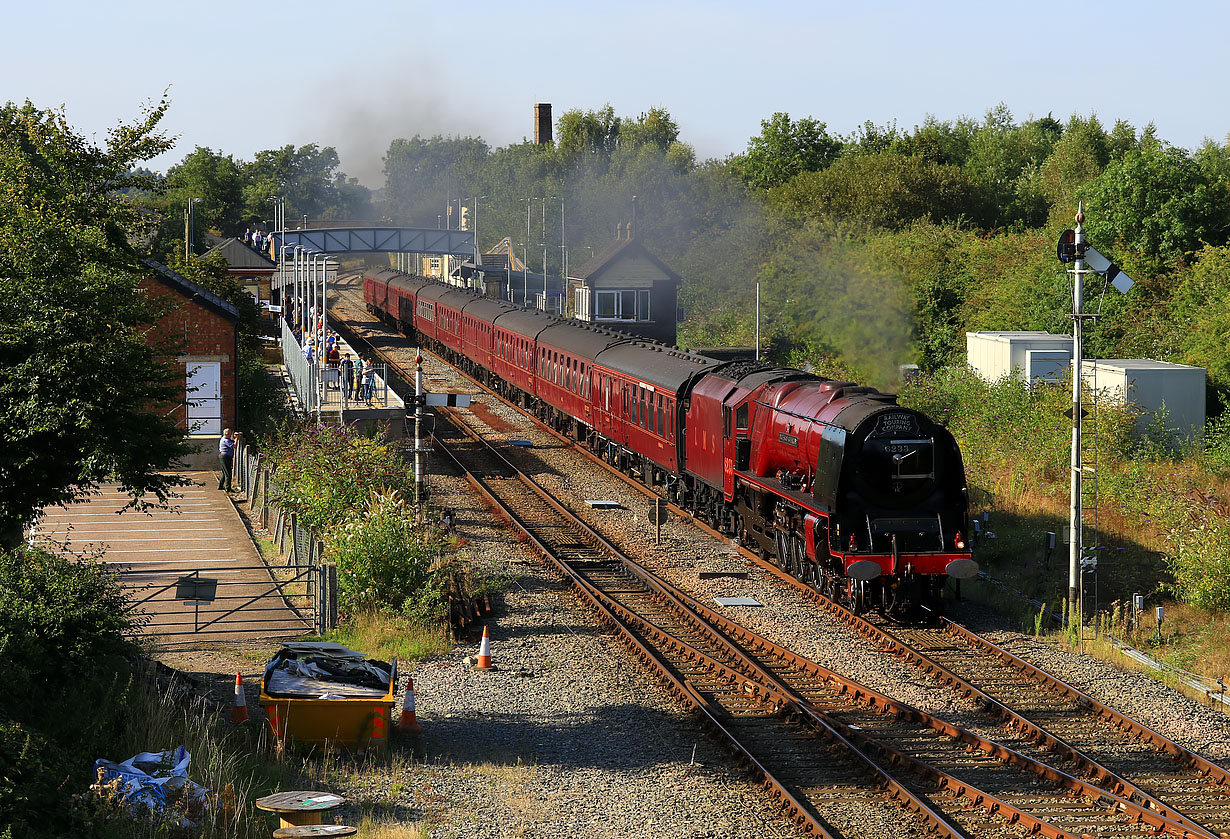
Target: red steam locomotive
(850, 492)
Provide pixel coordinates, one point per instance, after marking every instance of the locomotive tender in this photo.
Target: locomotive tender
(850, 492)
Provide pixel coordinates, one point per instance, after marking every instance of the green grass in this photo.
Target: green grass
(381, 635)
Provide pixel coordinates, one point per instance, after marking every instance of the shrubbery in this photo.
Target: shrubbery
(62, 641)
(351, 490)
(327, 474)
(385, 558)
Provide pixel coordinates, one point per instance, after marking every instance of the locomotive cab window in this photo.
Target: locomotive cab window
(741, 417)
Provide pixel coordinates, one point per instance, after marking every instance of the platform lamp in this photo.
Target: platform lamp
(188, 248)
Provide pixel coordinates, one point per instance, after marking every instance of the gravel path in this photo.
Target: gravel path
(563, 738)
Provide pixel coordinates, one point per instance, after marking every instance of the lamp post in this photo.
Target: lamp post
(188, 248)
(544, 254)
(563, 261)
(524, 279)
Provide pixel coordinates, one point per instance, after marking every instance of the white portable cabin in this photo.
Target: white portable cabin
(1032, 355)
(1148, 385)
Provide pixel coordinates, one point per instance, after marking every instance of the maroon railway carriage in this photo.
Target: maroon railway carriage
(437, 314)
(391, 295)
(514, 350)
(566, 353)
(478, 333)
(635, 397)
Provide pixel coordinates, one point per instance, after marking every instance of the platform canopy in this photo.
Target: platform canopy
(337, 240)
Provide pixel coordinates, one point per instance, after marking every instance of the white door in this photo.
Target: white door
(204, 398)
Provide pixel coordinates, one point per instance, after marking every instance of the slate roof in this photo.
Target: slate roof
(604, 259)
(240, 257)
(191, 290)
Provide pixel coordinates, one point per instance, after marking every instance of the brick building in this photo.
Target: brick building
(252, 268)
(627, 288)
(206, 328)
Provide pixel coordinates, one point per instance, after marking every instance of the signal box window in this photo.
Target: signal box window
(632, 304)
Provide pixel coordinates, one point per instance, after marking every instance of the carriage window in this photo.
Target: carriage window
(661, 427)
(641, 421)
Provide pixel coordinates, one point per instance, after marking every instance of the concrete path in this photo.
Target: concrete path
(204, 537)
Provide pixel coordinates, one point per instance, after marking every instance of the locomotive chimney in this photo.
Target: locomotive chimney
(542, 124)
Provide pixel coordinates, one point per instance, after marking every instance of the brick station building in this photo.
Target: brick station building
(206, 328)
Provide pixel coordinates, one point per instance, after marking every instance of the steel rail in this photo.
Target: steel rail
(623, 619)
(763, 685)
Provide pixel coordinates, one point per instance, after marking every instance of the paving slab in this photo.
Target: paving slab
(202, 536)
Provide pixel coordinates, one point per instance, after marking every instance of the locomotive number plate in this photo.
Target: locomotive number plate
(788, 439)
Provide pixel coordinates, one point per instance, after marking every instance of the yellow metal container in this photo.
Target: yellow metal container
(353, 722)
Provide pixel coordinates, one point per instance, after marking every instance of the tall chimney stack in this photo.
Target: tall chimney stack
(542, 124)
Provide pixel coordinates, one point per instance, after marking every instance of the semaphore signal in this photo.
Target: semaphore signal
(1073, 248)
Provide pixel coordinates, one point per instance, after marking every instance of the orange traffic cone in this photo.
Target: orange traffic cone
(409, 723)
(239, 713)
(484, 652)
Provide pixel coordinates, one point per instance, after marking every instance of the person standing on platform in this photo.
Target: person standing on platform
(369, 380)
(226, 457)
(347, 375)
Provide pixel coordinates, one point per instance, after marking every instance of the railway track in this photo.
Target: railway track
(1192, 789)
(777, 710)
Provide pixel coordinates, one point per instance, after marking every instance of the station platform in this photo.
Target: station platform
(315, 390)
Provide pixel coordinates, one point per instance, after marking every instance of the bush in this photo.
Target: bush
(62, 640)
(63, 622)
(1200, 563)
(327, 473)
(385, 558)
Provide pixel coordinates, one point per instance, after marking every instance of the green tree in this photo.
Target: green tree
(77, 376)
(1157, 203)
(308, 178)
(652, 128)
(214, 178)
(884, 190)
(423, 173)
(1200, 308)
(784, 148)
(583, 133)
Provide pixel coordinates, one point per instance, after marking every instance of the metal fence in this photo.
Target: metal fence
(319, 386)
(297, 550)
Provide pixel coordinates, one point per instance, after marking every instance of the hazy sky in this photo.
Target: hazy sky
(249, 76)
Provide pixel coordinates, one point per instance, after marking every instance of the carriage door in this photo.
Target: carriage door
(204, 397)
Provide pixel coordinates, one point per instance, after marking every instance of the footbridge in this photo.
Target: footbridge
(338, 240)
